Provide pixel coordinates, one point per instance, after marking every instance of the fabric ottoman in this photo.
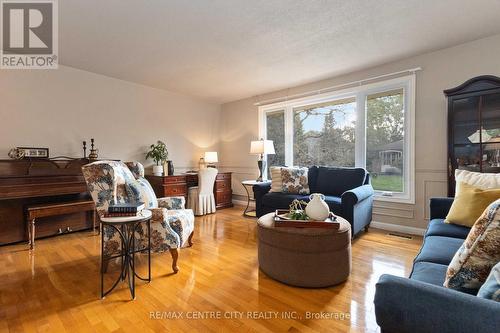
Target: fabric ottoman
(304, 257)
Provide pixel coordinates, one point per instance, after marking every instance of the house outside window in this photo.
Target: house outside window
(370, 126)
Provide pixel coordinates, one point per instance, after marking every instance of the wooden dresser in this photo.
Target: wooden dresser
(177, 185)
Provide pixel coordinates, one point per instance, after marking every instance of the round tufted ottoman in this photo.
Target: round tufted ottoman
(304, 257)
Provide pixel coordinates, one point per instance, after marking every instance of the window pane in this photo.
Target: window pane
(276, 131)
(323, 134)
(491, 138)
(385, 140)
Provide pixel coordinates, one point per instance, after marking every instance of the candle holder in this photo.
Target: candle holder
(94, 153)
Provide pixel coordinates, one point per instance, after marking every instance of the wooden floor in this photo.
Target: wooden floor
(56, 289)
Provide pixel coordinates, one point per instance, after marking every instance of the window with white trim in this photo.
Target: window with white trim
(370, 126)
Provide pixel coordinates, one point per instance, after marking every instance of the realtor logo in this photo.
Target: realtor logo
(29, 34)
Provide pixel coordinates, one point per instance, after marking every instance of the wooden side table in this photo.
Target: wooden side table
(250, 197)
(126, 227)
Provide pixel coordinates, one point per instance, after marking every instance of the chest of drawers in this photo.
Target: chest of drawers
(177, 185)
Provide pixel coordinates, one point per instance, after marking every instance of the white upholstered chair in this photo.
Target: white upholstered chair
(201, 198)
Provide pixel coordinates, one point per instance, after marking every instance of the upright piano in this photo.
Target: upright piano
(29, 182)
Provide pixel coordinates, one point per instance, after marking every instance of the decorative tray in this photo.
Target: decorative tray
(281, 219)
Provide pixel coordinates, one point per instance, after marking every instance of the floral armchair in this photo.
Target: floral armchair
(171, 225)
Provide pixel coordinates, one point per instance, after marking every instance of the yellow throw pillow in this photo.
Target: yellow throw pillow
(469, 204)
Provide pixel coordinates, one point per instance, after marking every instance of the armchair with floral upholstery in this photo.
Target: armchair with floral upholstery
(113, 181)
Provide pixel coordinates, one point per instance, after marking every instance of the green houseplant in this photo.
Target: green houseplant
(159, 154)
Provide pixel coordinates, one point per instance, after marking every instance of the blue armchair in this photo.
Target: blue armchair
(347, 192)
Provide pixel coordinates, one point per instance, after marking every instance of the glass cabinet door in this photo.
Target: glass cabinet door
(490, 121)
(468, 157)
(473, 127)
(466, 138)
(466, 121)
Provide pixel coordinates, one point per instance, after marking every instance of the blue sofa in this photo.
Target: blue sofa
(347, 192)
(420, 303)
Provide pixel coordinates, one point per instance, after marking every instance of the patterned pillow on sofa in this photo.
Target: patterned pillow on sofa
(491, 288)
(276, 180)
(139, 190)
(474, 260)
(295, 180)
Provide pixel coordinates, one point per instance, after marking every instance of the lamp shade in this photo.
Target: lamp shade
(211, 157)
(262, 147)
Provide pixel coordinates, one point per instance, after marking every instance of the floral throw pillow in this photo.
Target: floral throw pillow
(474, 260)
(295, 180)
(139, 190)
(491, 288)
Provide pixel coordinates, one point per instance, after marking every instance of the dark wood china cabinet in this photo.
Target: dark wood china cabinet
(473, 127)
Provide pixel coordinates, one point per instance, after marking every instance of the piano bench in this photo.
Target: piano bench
(44, 210)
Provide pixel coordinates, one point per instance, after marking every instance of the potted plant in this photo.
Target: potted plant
(159, 154)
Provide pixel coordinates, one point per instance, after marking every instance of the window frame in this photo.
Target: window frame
(360, 93)
(264, 134)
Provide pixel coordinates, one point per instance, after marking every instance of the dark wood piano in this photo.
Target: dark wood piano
(30, 182)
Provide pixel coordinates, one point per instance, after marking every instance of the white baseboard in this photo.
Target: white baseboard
(397, 228)
(243, 203)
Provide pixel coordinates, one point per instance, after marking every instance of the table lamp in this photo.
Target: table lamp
(211, 159)
(262, 147)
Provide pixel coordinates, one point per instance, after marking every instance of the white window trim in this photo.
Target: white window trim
(406, 82)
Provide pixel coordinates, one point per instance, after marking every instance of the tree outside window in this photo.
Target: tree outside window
(324, 134)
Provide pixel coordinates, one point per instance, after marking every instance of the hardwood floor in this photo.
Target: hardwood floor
(56, 289)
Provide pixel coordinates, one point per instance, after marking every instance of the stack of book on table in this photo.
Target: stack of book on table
(124, 209)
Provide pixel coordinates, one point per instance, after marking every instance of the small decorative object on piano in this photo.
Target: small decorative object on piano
(16, 153)
(29, 152)
(94, 153)
(296, 217)
(84, 149)
(124, 209)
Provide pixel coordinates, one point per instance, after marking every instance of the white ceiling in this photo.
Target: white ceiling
(223, 50)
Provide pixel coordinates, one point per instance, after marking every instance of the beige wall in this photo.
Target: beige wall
(61, 108)
(441, 70)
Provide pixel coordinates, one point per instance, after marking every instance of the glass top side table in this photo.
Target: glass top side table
(126, 228)
(247, 185)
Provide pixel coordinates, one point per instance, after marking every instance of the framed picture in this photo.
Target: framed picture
(30, 152)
